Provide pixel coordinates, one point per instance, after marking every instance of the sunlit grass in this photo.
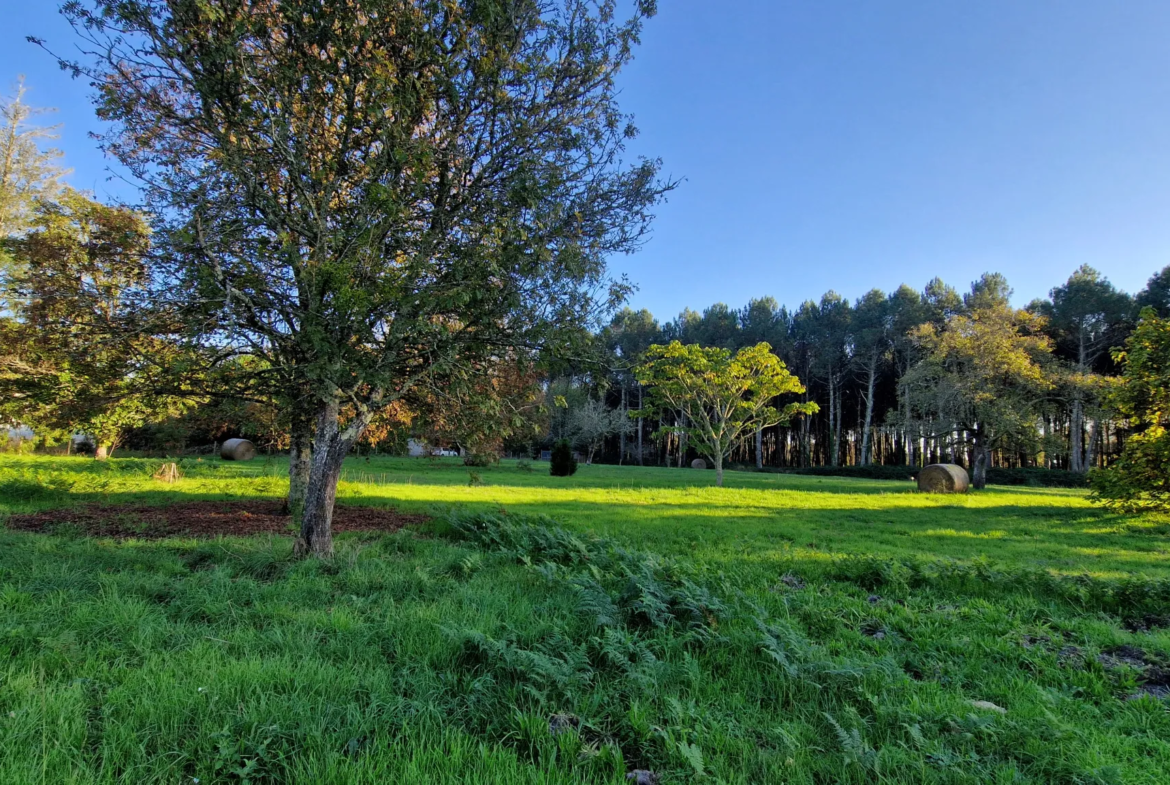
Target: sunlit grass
(858, 622)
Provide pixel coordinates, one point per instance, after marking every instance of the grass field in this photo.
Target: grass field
(782, 629)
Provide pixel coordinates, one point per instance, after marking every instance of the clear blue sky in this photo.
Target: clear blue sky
(848, 145)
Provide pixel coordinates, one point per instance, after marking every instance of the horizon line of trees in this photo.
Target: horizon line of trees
(859, 359)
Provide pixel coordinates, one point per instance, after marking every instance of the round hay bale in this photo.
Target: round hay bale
(944, 478)
(237, 450)
(698, 463)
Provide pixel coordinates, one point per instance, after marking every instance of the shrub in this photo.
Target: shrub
(562, 463)
(480, 459)
(524, 465)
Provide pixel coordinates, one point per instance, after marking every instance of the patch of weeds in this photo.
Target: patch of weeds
(250, 754)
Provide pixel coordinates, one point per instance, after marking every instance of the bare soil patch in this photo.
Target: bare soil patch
(201, 519)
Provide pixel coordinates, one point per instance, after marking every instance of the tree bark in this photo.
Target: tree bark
(805, 446)
(1091, 445)
(330, 446)
(832, 421)
(1076, 446)
(979, 468)
(622, 434)
(759, 448)
(866, 431)
(299, 466)
(718, 458)
(640, 407)
(101, 452)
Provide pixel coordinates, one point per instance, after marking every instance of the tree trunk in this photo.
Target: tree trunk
(979, 469)
(330, 446)
(832, 421)
(866, 430)
(837, 435)
(805, 447)
(718, 470)
(622, 434)
(101, 452)
(299, 466)
(640, 407)
(759, 448)
(1076, 446)
(1091, 445)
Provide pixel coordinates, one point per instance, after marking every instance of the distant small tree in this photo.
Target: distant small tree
(722, 397)
(592, 422)
(562, 463)
(1139, 480)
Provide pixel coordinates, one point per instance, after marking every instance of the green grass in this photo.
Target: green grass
(783, 629)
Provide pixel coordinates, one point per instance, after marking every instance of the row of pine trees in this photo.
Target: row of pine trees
(852, 357)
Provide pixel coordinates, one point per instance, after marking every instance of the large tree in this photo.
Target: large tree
(629, 334)
(372, 192)
(1086, 317)
(871, 339)
(982, 376)
(722, 396)
(1140, 479)
(79, 350)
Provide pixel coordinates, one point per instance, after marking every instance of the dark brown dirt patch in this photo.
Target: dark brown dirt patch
(201, 519)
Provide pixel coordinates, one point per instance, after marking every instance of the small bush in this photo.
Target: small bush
(480, 459)
(562, 463)
(524, 465)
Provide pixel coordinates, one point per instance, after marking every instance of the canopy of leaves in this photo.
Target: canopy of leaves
(1140, 479)
(983, 373)
(78, 354)
(721, 396)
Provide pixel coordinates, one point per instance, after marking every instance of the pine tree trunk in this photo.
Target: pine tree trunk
(640, 407)
(1076, 447)
(832, 421)
(622, 434)
(1091, 445)
(837, 435)
(866, 431)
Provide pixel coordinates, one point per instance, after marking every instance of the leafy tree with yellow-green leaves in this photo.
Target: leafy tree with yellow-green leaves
(721, 397)
(1139, 480)
(982, 376)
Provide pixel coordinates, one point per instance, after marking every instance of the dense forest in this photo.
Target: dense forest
(858, 358)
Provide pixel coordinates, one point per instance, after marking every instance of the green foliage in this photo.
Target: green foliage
(29, 172)
(461, 165)
(984, 374)
(561, 462)
(1140, 478)
(722, 397)
(79, 354)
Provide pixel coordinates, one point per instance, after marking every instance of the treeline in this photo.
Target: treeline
(858, 358)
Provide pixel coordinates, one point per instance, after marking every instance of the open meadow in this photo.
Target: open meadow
(521, 628)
